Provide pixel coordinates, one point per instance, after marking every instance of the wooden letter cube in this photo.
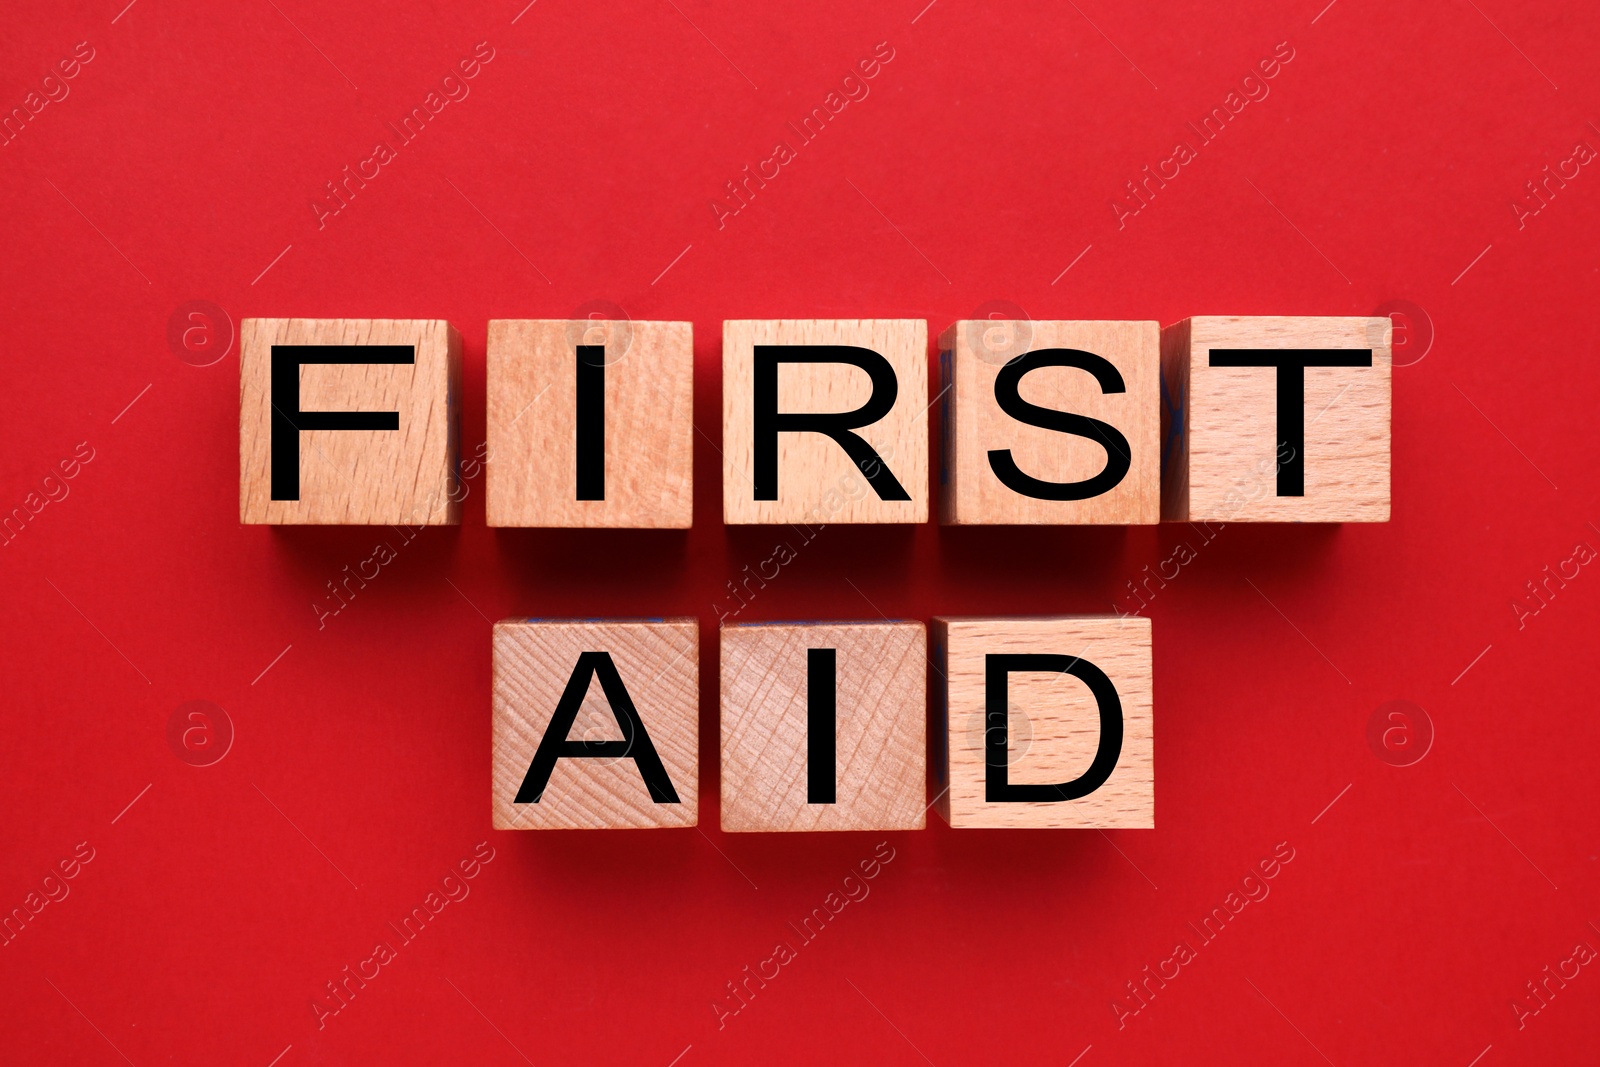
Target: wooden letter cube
(824, 726)
(591, 423)
(567, 695)
(825, 420)
(1091, 455)
(349, 421)
(1256, 434)
(1032, 712)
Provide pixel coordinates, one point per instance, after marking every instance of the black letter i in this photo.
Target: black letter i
(821, 711)
(590, 423)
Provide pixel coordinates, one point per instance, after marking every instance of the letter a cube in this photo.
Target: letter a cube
(596, 724)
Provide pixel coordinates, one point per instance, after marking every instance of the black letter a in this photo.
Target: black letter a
(635, 743)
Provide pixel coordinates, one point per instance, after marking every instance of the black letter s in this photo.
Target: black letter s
(1006, 393)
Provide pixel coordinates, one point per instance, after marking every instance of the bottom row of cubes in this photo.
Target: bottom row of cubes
(1035, 722)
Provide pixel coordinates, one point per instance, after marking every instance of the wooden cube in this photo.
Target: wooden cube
(349, 421)
(596, 724)
(591, 423)
(1276, 419)
(825, 420)
(1050, 422)
(1046, 722)
(824, 726)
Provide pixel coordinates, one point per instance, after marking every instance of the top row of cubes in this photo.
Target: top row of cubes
(590, 422)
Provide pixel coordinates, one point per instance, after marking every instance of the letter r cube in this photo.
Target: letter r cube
(825, 420)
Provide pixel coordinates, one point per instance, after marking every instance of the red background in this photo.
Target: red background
(220, 902)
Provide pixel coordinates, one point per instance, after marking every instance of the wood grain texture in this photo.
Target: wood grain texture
(1175, 422)
(972, 354)
(658, 664)
(880, 729)
(356, 477)
(1053, 723)
(649, 423)
(1222, 432)
(817, 481)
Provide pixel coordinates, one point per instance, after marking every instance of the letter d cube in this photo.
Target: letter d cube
(1047, 722)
